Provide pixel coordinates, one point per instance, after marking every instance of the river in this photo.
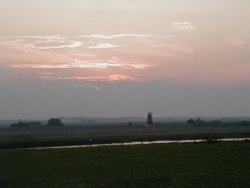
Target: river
(143, 142)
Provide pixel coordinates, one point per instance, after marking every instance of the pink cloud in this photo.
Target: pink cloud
(171, 58)
(104, 46)
(109, 78)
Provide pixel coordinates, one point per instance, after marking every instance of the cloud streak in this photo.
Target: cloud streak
(123, 35)
(110, 78)
(40, 42)
(43, 37)
(104, 46)
(183, 26)
(79, 64)
(72, 44)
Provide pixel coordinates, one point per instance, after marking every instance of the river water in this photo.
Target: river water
(143, 142)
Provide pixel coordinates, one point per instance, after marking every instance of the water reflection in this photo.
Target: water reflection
(143, 142)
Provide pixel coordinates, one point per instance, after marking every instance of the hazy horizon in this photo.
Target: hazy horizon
(116, 58)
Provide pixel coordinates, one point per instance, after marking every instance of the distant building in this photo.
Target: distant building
(150, 119)
(21, 124)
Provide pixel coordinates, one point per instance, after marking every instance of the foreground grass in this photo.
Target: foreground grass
(162, 165)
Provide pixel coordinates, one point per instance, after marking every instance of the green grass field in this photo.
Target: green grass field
(160, 165)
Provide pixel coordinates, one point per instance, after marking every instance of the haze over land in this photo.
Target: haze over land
(124, 58)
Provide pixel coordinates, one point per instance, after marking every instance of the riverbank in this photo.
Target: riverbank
(149, 142)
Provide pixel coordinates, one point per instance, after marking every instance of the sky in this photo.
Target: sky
(111, 58)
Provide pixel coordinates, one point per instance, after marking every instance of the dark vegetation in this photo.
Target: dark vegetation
(113, 132)
(21, 124)
(55, 123)
(224, 165)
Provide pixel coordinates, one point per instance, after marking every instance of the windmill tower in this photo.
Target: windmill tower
(149, 119)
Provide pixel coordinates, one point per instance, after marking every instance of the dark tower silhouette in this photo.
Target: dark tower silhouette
(150, 118)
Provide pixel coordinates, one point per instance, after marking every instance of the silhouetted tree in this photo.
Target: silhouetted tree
(200, 121)
(55, 122)
(190, 121)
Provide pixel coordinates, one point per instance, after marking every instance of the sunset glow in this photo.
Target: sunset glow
(91, 42)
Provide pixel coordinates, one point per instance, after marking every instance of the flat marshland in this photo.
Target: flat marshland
(115, 133)
(157, 165)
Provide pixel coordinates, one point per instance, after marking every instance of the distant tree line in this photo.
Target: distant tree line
(199, 121)
(53, 122)
(26, 124)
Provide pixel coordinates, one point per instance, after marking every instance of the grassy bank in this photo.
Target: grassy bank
(176, 165)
